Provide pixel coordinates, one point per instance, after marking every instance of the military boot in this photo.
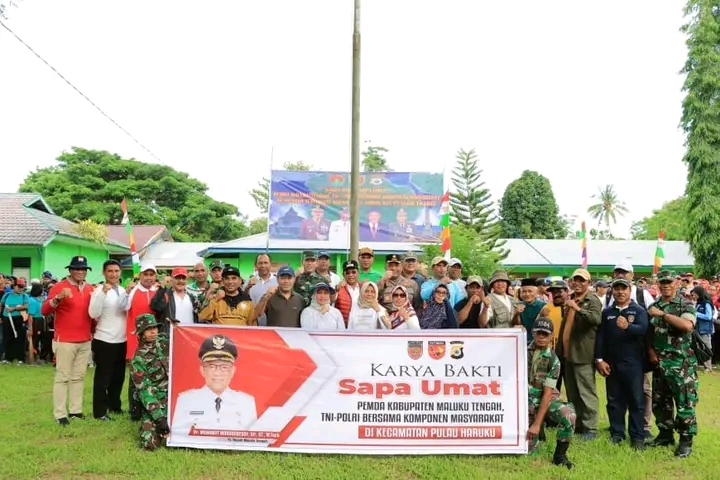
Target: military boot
(664, 439)
(560, 455)
(684, 448)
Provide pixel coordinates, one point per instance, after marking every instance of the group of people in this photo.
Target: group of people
(576, 328)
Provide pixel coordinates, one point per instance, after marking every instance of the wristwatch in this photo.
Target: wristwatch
(598, 360)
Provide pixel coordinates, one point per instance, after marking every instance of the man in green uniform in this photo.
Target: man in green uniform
(675, 378)
(306, 281)
(151, 381)
(543, 396)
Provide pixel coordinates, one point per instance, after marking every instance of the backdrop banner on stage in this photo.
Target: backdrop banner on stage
(314, 207)
(292, 390)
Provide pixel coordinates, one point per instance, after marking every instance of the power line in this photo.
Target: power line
(81, 93)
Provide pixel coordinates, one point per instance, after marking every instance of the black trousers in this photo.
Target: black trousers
(15, 343)
(109, 376)
(625, 394)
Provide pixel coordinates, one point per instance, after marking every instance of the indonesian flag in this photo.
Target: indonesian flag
(659, 254)
(445, 223)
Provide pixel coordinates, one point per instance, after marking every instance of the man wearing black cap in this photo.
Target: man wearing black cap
(543, 394)
(620, 357)
(231, 305)
(214, 406)
(306, 281)
(69, 300)
(393, 278)
(533, 306)
(348, 289)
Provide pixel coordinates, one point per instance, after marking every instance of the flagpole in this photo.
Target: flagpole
(583, 245)
(131, 238)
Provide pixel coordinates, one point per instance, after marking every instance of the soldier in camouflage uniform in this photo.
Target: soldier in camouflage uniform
(675, 378)
(543, 395)
(306, 281)
(150, 378)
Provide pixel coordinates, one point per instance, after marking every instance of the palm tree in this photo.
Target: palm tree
(609, 207)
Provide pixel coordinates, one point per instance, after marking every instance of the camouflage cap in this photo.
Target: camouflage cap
(143, 322)
(217, 264)
(558, 284)
(666, 276)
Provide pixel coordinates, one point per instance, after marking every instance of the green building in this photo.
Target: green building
(33, 240)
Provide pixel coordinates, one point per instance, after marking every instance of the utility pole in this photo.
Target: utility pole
(355, 139)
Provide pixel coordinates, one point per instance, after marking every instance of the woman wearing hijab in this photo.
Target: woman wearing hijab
(704, 313)
(439, 313)
(320, 315)
(369, 314)
(401, 314)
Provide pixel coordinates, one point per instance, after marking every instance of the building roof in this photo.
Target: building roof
(259, 243)
(26, 219)
(171, 254)
(143, 234)
(600, 252)
(522, 252)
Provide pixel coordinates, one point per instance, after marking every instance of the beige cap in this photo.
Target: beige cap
(438, 260)
(581, 272)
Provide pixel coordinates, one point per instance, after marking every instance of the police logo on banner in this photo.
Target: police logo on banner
(436, 349)
(414, 349)
(457, 350)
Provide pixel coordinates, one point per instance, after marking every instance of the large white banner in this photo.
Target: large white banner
(428, 392)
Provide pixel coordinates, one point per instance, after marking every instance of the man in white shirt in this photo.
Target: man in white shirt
(339, 235)
(109, 344)
(323, 268)
(175, 304)
(261, 282)
(214, 406)
(625, 270)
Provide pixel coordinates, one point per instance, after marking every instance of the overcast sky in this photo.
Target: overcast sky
(587, 93)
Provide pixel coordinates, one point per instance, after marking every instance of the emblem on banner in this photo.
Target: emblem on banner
(414, 349)
(457, 350)
(631, 318)
(436, 349)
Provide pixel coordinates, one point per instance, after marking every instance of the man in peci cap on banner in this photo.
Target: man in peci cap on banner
(215, 406)
(69, 301)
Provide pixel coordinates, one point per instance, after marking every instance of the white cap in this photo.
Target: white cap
(144, 267)
(454, 261)
(624, 266)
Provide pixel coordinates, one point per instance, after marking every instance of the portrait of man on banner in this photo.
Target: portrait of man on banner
(214, 406)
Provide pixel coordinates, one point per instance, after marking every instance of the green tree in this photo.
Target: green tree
(374, 160)
(672, 218)
(477, 258)
(528, 209)
(258, 225)
(97, 232)
(609, 207)
(261, 194)
(471, 203)
(701, 124)
(90, 184)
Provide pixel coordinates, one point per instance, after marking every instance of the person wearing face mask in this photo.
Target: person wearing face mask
(401, 315)
(320, 315)
(69, 300)
(369, 314)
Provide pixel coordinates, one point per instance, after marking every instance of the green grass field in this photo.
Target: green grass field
(32, 446)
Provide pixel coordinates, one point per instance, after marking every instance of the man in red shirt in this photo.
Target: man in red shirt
(69, 300)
